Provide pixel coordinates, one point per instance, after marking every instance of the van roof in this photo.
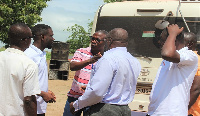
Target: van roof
(149, 8)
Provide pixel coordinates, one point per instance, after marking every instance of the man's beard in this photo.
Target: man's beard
(106, 47)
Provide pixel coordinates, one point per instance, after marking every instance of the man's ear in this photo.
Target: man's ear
(42, 36)
(190, 45)
(109, 41)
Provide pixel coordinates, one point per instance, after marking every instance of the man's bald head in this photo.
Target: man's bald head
(17, 30)
(118, 34)
(117, 37)
(18, 33)
(190, 40)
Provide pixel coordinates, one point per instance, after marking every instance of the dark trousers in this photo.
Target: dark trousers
(67, 108)
(72, 99)
(102, 109)
(40, 114)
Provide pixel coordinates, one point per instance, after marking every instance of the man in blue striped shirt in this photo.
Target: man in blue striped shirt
(113, 79)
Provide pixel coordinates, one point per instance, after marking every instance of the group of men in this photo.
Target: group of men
(24, 74)
(113, 78)
(106, 74)
(111, 81)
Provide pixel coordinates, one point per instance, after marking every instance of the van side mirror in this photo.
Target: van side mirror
(161, 24)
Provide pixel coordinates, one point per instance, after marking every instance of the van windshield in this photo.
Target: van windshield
(141, 31)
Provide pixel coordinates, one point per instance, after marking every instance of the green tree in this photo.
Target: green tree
(14, 11)
(79, 37)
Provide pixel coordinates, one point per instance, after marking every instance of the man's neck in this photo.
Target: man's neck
(180, 46)
(39, 46)
(16, 47)
(94, 52)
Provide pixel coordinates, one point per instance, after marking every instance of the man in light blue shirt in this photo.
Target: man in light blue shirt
(43, 38)
(113, 80)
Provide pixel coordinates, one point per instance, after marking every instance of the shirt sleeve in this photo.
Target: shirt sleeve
(188, 58)
(31, 82)
(97, 86)
(77, 56)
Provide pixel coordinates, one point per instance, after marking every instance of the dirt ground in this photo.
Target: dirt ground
(60, 89)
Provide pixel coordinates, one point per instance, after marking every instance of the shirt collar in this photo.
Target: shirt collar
(37, 50)
(119, 48)
(183, 49)
(13, 50)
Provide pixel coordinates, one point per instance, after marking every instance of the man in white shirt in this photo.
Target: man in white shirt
(171, 88)
(43, 38)
(113, 80)
(18, 81)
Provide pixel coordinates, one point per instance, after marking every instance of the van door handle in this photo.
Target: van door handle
(150, 10)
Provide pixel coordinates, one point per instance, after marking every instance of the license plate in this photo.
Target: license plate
(143, 90)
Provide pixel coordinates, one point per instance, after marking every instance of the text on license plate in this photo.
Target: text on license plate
(143, 90)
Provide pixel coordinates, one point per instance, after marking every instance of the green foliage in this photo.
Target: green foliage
(2, 49)
(14, 11)
(48, 55)
(79, 37)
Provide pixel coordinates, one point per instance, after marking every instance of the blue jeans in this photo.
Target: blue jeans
(67, 107)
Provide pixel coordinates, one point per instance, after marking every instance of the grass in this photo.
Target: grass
(48, 55)
(2, 49)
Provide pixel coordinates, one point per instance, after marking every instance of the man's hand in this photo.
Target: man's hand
(30, 105)
(174, 29)
(82, 88)
(47, 97)
(72, 109)
(169, 48)
(54, 97)
(95, 58)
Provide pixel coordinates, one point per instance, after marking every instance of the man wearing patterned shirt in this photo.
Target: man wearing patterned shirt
(113, 80)
(82, 62)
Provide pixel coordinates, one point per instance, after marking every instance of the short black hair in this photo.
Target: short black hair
(40, 29)
(102, 31)
(190, 40)
(190, 37)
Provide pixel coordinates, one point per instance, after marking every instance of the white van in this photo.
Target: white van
(139, 19)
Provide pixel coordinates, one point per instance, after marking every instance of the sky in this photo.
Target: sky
(61, 14)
